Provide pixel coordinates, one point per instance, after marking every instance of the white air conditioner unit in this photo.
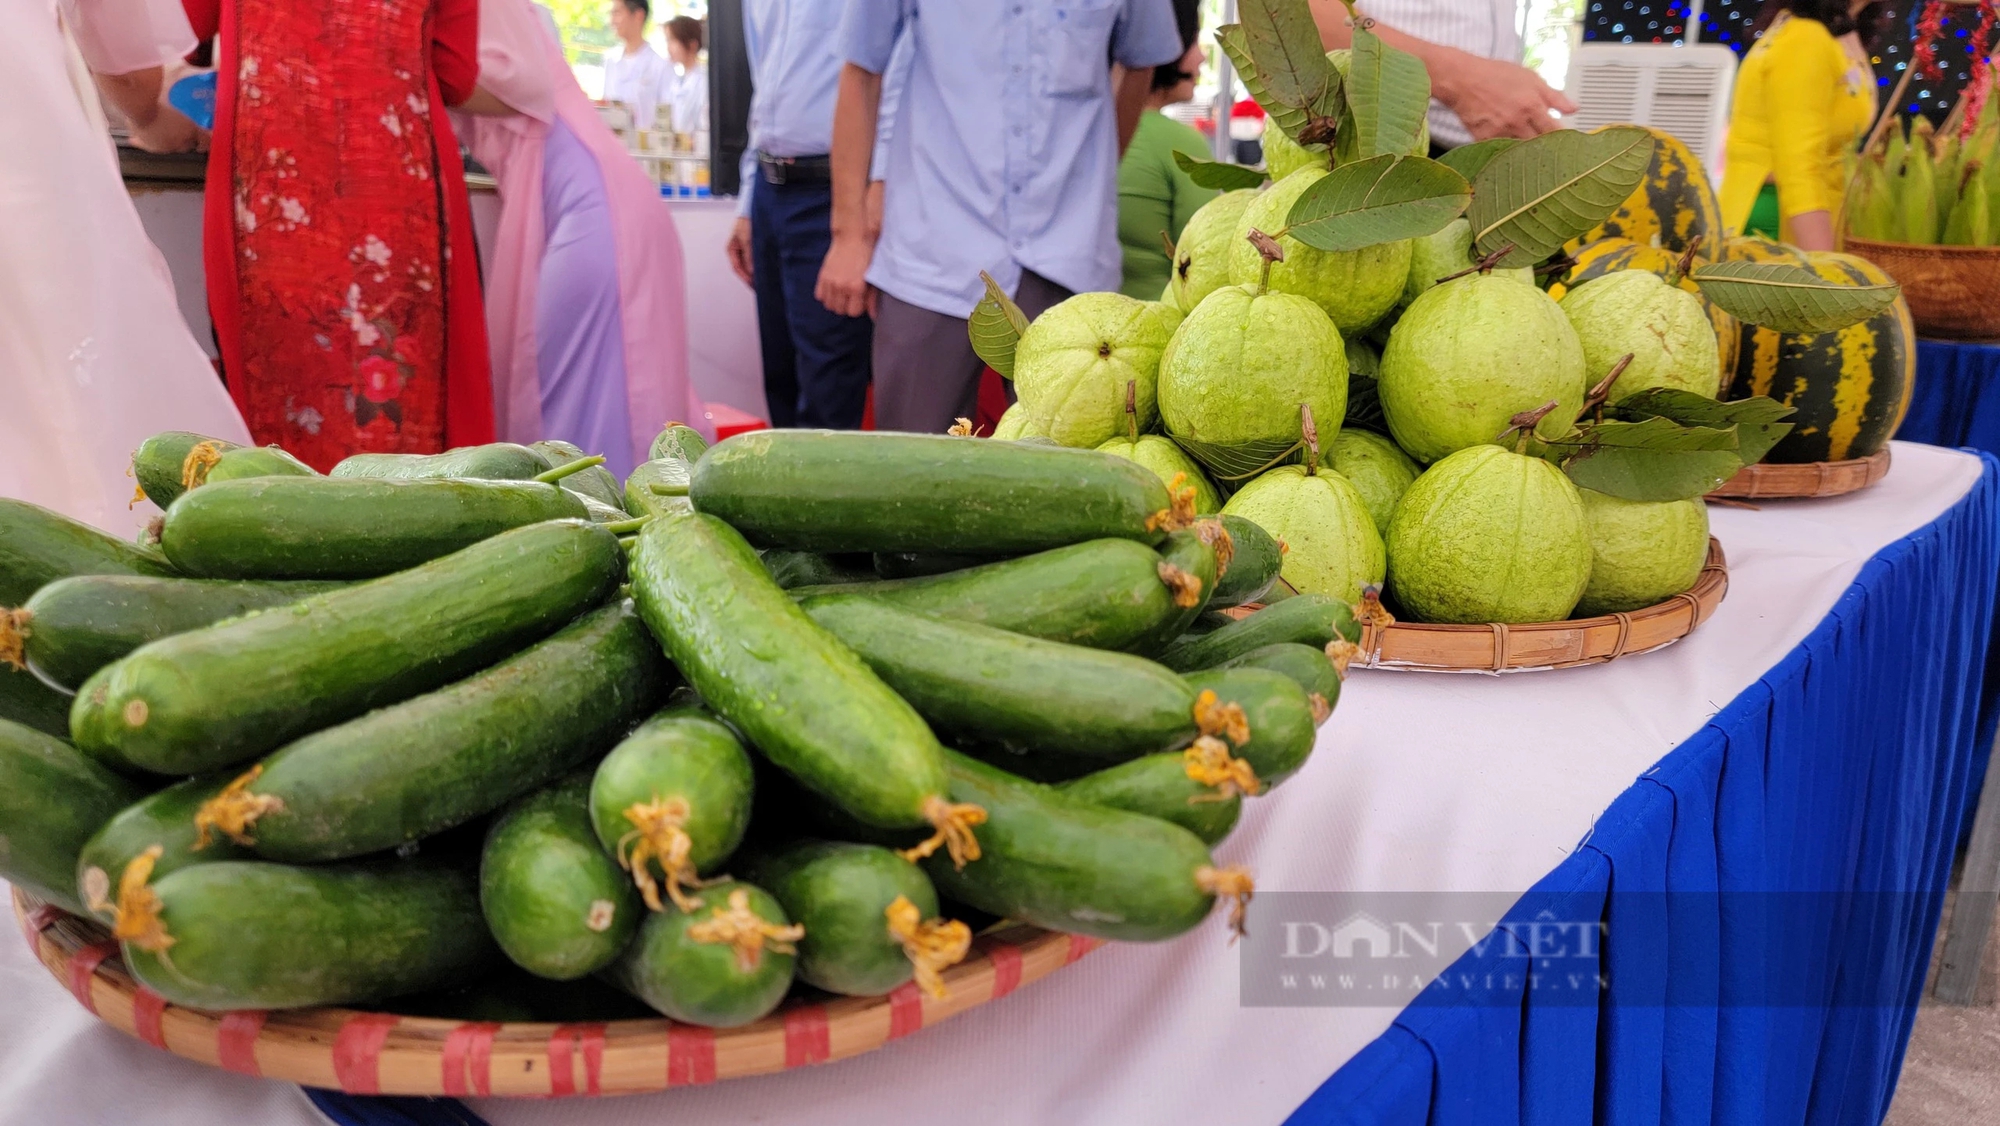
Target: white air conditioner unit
(1683, 91)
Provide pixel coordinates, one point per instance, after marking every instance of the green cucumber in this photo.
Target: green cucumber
(680, 786)
(494, 461)
(1058, 862)
(681, 965)
(1283, 723)
(211, 697)
(1254, 561)
(244, 462)
(857, 942)
(666, 472)
(988, 687)
(345, 527)
(1105, 594)
(1159, 786)
(1309, 666)
(821, 490)
(27, 701)
(917, 564)
(252, 935)
(599, 512)
(406, 771)
(38, 546)
(595, 482)
(678, 440)
(793, 569)
(556, 904)
(1189, 564)
(807, 702)
(1310, 619)
(165, 819)
(75, 626)
(51, 800)
(160, 461)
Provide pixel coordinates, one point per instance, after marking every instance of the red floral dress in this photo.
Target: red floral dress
(342, 276)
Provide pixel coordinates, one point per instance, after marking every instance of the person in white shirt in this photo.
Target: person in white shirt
(689, 89)
(634, 73)
(1473, 50)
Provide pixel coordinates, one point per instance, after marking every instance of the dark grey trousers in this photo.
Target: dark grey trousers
(926, 375)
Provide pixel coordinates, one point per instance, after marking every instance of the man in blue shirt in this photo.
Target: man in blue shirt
(815, 360)
(1004, 158)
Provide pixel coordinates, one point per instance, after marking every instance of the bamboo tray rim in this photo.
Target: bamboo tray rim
(376, 1053)
(1495, 648)
(1808, 480)
(1928, 248)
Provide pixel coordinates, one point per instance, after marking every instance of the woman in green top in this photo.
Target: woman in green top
(1155, 197)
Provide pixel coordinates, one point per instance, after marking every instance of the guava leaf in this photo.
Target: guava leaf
(1381, 199)
(1236, 44)
(1364, 405)
(996, 326)
(1231, 464)
(1216, 174)
(1388, 94)
(1656, 459)
(1468, 160)
(1789, 298)
(1756, 419)
(1281, 47)
(1541, 193)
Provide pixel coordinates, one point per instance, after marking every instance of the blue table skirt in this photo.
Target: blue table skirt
(1956, 402)
(1842, 772)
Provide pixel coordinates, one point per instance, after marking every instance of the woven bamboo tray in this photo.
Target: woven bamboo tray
(1497, 648)
(1951, 289)
(1766, 481)
(368, 1053)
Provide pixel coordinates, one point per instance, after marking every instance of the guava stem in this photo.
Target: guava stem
(1686, 264)
(1556, 265)
(1483, 266)
(1310, 432)
(1594, 402)
(1523, 424)
(1267, 246)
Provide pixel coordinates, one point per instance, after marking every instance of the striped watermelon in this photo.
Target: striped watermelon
(1671, 206)
(1757, 248)
(1851, 388)
(1610, 255)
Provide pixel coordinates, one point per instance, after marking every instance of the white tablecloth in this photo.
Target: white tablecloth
(1421, 783)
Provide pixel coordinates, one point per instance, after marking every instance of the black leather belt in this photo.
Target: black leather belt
(795, 169)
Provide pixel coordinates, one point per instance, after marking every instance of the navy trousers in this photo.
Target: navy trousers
(815, 361)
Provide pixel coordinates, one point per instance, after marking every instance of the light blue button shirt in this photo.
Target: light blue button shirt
(794, 78)
(1005, 151)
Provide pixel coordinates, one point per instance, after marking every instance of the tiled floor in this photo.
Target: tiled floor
(1951, 1075)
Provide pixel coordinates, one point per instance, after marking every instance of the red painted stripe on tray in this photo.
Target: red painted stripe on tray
(906, 1010)
(593, 1059)
(806, 1036)
(1079, 945)
(690, 1055)
(462, 1045)
(83, 968)
(357, 1049)
(562, 1076)
(147, 1009)
(236, 1041)
(1006, 959)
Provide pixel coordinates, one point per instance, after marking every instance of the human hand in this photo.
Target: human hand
(874, 204)
(738, 249)
(843, 277)
(169, 131)
(1501, 99)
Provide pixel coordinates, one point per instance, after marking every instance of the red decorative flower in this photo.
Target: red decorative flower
(381, 380)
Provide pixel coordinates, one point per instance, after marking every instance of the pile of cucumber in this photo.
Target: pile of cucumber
(438, 733)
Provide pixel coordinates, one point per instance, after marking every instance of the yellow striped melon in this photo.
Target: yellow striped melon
(1671, 206)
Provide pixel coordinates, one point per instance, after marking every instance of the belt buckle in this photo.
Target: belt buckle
(776, 169)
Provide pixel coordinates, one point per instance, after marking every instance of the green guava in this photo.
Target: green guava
(1355, 287)
(1362, 358)
(1014, 424)
(1201, 255)
(1074, 362)
(1663, 327)
(1446, 252)
(1332, 546)
(1641, 552)
(1169, 461)
(1379, 471)
(1284, 156)
(1469, 355)
(1239, 366)
(1489, 535)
